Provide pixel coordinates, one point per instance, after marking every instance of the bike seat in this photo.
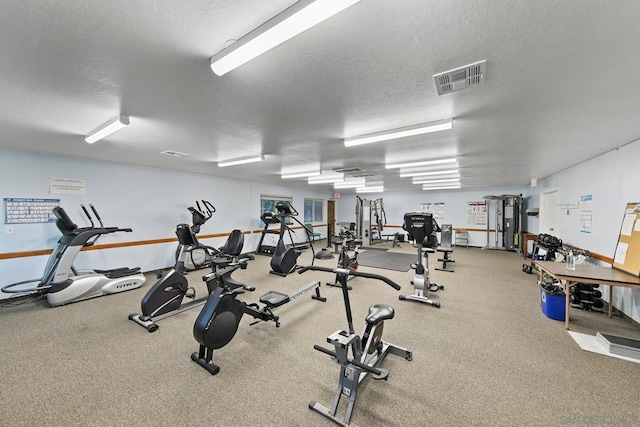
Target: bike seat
(378, 313)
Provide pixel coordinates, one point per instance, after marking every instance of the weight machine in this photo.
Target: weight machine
(504, 214)
(370, 220)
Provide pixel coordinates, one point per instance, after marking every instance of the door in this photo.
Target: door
(331, 215)
(548, 212)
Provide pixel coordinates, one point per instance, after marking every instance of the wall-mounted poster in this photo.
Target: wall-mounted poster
(477, 213)
(437, 209)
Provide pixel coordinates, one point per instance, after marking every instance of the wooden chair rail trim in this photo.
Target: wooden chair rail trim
(40, 252)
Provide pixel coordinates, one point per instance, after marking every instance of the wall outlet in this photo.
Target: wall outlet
(8, 229)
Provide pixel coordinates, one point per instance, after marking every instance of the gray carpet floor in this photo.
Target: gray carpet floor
(488, 357)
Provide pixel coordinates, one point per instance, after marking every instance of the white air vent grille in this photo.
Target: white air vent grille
(460, 78)
(363, 174)
(347, 171)
(174, 153)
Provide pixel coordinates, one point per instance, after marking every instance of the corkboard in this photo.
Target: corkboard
(627, 255)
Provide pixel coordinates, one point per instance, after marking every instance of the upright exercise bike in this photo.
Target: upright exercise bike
(420, 226)
(62, 283)
(164, 298)
(285, 257)
(358, 356)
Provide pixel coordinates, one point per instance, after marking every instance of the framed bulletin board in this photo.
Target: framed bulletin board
(627, 256)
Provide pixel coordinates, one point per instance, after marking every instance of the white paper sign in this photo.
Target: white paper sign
(627, 224)
(621, 253)
(66, 186)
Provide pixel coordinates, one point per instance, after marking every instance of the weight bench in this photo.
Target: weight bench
(445, 247)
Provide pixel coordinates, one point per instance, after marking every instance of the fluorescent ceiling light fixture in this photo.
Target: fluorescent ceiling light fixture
(444, 187)
(241, 161)
(330, 180)
(423, 163)
(294, 20)
(399, 133)
(434, 181)
(299, 175)
(412, 174)
(350, 183)
(378, 189)
(112, 126)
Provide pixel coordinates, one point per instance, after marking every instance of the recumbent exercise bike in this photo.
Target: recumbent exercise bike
(164, 298)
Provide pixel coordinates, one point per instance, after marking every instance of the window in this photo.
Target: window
(313, 211)
(268, 204)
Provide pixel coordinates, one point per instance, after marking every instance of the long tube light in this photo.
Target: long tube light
(399, 133)
(422, 163)
(326, 179)
(106, 129)
(414, 174)
(292, 21)
(444, 187)
(299, 175)
(240, 161)
(434, 181)
(350, 183)
(378, 189)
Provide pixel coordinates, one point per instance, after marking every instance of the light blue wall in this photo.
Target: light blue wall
(613, 180)
(150, 201)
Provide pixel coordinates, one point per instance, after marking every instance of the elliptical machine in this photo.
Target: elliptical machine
(62, 283)
(285, 257)
(196, 256)
(357, 356)
(344, 260)
(164, 298)
(420, 226)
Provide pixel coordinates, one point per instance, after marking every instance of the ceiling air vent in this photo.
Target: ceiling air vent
(363, 174)
(173, 153)
(460, 78)
(347, 171)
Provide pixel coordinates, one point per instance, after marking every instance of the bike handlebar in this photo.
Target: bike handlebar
(347, 272)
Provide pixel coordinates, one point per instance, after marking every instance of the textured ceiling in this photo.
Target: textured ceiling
(560, 86)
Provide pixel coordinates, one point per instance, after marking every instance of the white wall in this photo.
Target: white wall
(150, 201)
(613, 180)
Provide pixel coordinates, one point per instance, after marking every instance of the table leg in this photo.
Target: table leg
(610, 299)
(567, 294)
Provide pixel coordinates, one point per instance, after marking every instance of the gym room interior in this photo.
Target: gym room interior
(512, 124)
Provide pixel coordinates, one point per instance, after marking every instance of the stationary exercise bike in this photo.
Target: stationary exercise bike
(285, 257)
(164, 298)
(420, 226)
(366, 351)
(218, 321)
(62, 283)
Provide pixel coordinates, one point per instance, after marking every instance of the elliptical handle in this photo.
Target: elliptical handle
(96, 214)
(86, 212)
(208, 206)
(347, 272)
